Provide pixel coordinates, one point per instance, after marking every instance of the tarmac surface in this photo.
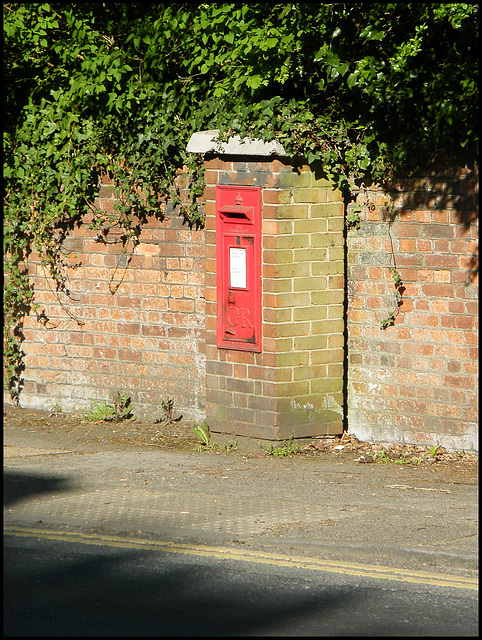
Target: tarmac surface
(318, 507)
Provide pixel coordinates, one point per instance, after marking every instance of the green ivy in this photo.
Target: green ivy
(365, 90)
(398, 294)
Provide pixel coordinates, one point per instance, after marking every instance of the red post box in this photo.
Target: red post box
(238, 267)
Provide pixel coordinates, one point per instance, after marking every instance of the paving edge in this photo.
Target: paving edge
(377, 554)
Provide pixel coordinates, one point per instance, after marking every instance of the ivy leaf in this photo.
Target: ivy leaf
(352, 79)
(254, 81)
(312, 156)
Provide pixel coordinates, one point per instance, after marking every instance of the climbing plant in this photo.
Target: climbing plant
(364, 90)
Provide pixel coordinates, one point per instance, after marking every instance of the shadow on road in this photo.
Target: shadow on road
(57, 588)
(52, 590)
(18, 485)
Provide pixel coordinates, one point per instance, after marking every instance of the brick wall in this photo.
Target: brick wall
(144, 326)
(143, 321)
(295, 385)
(415, 381)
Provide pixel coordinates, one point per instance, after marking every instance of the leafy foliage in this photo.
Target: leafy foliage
(398, 293)
(167, 410)
(364, 90)
(117, 411)
(284, 449)
(202, 432)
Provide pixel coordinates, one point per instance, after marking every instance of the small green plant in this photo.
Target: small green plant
(353, 217)
(117, 411)
(202, 432)
(231, 445)
(399, 289)
(285, 448)
(167, 409)
(56, 407)
(382, 456)
(100, 412)
(433, 450)
(122, 407)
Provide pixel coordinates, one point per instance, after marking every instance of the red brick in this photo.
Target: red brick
(128, 328)
(464, 382)
(407, 245)
(438, 290)
(422, 216)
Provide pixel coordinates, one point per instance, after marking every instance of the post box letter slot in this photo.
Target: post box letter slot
(236, 214)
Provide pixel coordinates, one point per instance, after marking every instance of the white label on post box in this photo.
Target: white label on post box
(237, 267)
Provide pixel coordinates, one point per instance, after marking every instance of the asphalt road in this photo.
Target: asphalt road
(94, 585)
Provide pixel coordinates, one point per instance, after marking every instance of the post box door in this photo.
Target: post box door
(238, 265)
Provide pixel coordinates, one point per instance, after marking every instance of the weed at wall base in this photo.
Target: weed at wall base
(117, 411)
(285, 448)
(202, 432)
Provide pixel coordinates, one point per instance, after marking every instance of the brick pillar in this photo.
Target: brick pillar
(294, 387)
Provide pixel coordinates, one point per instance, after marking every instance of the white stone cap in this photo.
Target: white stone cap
(205, 141)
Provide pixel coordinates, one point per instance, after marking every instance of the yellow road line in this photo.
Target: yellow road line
(246, 555)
